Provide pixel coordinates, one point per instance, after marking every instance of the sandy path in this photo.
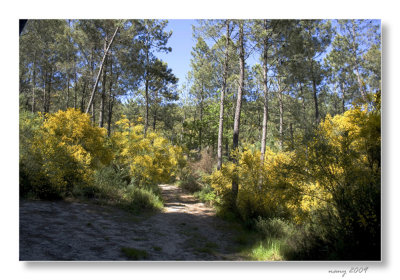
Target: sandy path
(185, 230)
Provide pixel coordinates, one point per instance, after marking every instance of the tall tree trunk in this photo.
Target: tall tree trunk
(265, 101)
(100, 70)
(315, 94)
(46, 92)
(146, 86)
(343, 98)
(49, 91)
(357, 64)
(75, 90)
(103, 92)
(93, 109)
(280, 99)
(67, 101)
(221, 104)
(201, 122)
(85, 82)
(236, 123)
(317, 117)
(146, 121)
(110, 99)
(154, 119)
(33, 85)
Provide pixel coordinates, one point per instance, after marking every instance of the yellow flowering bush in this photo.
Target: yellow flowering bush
(336, 177)
(265, 190)
(151, 159)
(68, 148)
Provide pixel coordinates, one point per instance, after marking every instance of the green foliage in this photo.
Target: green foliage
(270, 250)
(151, 159)
(139, 199)
(273, 228)
(327, 191)
(63, 151)
(64, 154)
(207, 195)
(189, 180)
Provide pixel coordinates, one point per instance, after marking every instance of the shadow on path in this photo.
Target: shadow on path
(185, 230)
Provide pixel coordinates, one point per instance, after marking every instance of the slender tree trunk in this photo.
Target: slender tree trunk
(33, 85)
(201, 122)
(110, 99)
(103, 92)
(100, 70)
(67, 101)
(315, 94)
(93, 109)
(146, 87)
(317, 117)
(236, 123)
(75, 90)
(357, 64)
(343, 98)
(265, 101)
(85, 82)
(146, 121)
(49, 91)
(110, 111)
(44, 91)
(154, 119)
(221, 104)
(280, 99)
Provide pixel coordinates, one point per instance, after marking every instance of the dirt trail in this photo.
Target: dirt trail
(185, 230)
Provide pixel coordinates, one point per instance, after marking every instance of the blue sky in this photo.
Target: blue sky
(181, 43)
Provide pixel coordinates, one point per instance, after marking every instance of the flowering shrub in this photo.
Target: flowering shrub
(151, 159)
(67, 149)
(333, 181)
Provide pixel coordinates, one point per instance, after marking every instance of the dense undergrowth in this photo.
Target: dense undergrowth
(64, 155)
(320, 201)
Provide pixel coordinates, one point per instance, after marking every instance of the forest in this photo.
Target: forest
(277, 126)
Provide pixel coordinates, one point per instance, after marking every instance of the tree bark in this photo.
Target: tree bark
(33, 85)
(221, 104)
(67, 101)
(49, 91)
(236, 124)
(93, 108)
(85, 82)
(357, 63)
(75, 89)
(201, 122)
(265, 101)
(110, 100)
(315, 94)
(103, 92)
(100, 70)
(154, 119)
(44, 91)
(280, 99)
(146, 85)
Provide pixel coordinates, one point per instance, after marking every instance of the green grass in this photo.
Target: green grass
(269, 250)
(134, 254)
(138, 199)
